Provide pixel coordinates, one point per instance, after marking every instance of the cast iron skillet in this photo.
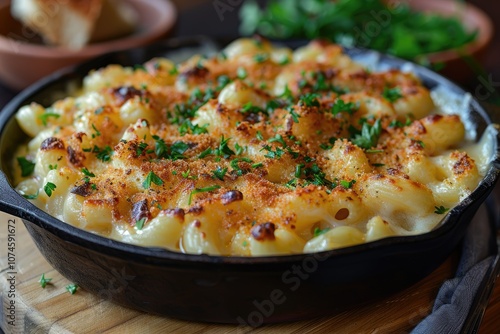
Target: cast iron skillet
(231, 289)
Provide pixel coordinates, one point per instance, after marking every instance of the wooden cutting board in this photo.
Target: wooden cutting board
(54, 310)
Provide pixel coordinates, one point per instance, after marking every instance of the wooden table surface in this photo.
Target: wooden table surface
(396, 314)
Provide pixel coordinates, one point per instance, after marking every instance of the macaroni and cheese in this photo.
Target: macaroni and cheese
(258, 150)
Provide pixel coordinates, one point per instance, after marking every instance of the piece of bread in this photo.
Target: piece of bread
(75, 23)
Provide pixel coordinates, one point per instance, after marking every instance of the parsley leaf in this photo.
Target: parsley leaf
(392, 94)
(341, 106)
(140, 223)
(440, 210)
(97, 132)
(273, 154)
(201, 190)
(318, 231)
(105, 154)
(369, 135)
(151, 177)
(49, 188)
(260, 58)
(220, 173)
(71, 288)
(27, 167)
(46, 115)
(44, 281)
(294, 114)
(34, 196)
(347, 184)
(309, 100)
(86, 172)
(241, 73)
(236, 167)
(278, 138)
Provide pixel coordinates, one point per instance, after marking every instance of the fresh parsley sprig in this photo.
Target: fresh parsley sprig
(201, 190)
(27, 167)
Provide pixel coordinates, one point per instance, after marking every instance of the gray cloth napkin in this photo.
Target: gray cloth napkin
(456, 298)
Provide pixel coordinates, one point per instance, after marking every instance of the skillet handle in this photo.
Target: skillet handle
(11, 202)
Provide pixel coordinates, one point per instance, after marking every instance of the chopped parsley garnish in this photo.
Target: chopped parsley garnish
(259, 135)
(378, 165)
(71, 288)
(49, 188)
(272, 105)
(46, 115)
(99, 110)
(220, 173)
(34, 196)
(257, 165)
(141, 148)
(236, 167)
(174, 70)
(203, 154)
(201, 190)
(294, 114)
(298, 170)
(151, 177)
(140, 223)
(419, 143)
(223, 149)
(175, 152)
(222, 81)
(347, 184)
(341, 106)
(397, 124)
(249, 108)
(27, 167)
(241, 73)
(440, 210)
(287, 95)
(309, 100)
(273, 154)
(318, 177)
(187, 175)
(161, 149)
(392, 94)
(325, 147)
(239, 149)
(278, 138)
(369, 135)
(44, 281)
(103, 154)
(318, 231)
(285, 60)
(52, 167)
(260, 58)
(86, 172)
(195, 129)
(97, 132)
(183, 112)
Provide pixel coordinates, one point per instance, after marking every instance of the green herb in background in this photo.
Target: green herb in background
(368, 23)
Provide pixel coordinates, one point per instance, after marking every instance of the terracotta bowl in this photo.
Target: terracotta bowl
(473, 19)
(24, 59)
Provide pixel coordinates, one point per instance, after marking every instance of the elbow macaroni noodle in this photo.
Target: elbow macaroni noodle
(256, 151)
